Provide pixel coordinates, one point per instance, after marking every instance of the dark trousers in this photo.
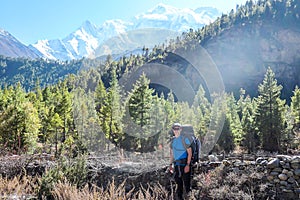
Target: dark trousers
(183, 180)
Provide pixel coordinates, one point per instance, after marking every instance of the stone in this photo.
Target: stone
(287, 191)
(286, 166)
(277, 170)
(290, 174)
(264, 163)
(259, 160)
(270, 178)
(274, 173)
(284, 157)
(295, 159)
(284, 183)
(295, 165)
(276, 180)
(285, 171)
(297, 172)
(213, 158)
(273, 163)
(237, 163)
(226, 162)
(291, 180)
(282, 177)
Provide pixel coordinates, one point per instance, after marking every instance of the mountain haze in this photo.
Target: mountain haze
(243, 44)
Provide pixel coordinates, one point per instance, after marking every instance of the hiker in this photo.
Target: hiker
(180, 161)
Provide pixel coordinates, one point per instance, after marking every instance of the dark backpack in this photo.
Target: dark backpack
(188, 132)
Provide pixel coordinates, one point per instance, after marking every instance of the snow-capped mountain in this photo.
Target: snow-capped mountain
(11, 47)
(176, 19)
(90, 40)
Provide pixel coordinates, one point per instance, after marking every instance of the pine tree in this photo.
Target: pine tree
(295, 115)
(269, 113)
(109, 109)
(140, 104)
(32, 125)
(56, 124)
(19, 125)
(246, 109)
(226, 139)
(114, 110)
(234, 120)
(201, 108)
(101, 107)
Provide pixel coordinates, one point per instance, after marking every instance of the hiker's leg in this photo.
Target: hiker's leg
(179, 181)
(187, 181)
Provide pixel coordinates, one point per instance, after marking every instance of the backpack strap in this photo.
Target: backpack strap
(186, 146)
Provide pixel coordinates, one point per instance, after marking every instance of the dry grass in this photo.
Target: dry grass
(18, 186)
(64, 190)
(27, 187)
(68, 181)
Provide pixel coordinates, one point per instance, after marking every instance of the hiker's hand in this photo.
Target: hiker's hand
(186, 169)
(171, 170)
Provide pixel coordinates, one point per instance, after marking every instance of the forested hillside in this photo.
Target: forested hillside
(64, 102)
(242, 43)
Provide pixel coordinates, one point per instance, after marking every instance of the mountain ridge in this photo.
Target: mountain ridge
(11, 47)
(83, 43)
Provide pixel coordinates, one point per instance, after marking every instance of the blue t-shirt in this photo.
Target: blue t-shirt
(178, 148)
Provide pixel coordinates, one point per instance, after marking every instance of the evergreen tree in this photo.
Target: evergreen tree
(295, 116)
(56, 125)
(100, 103)
(201, 108)
(159, 118)
(226, 139)
(246, 109)
(109, 109)
(32, 125)
(270, 112)
(140, 105)
(64, 108)
(19, 125)
(234, 120)
(114, 110)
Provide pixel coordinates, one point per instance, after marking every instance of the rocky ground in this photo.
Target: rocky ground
(216, 177)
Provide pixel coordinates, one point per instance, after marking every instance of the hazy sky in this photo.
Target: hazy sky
(32, 20)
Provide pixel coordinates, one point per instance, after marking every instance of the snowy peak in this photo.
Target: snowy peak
(7, 35)
(176, 19)
(88, 26)
(4, 32)
(11, 47)
(163, 9)
(208, 11)
(86, 40)
(116, 26)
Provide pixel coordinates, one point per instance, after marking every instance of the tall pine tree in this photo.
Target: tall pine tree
(295, 112)
(141, 112)
(270, 112)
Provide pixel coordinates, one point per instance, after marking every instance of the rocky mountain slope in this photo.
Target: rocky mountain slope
(11, 47)
(244, 52)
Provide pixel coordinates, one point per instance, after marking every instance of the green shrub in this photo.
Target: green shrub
(72, 171)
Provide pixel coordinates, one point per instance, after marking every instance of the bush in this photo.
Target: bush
(72, 171)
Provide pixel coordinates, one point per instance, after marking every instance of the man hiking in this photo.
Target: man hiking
(180, 161)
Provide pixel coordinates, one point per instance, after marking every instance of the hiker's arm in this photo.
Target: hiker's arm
(189, 158)
(171, 156)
